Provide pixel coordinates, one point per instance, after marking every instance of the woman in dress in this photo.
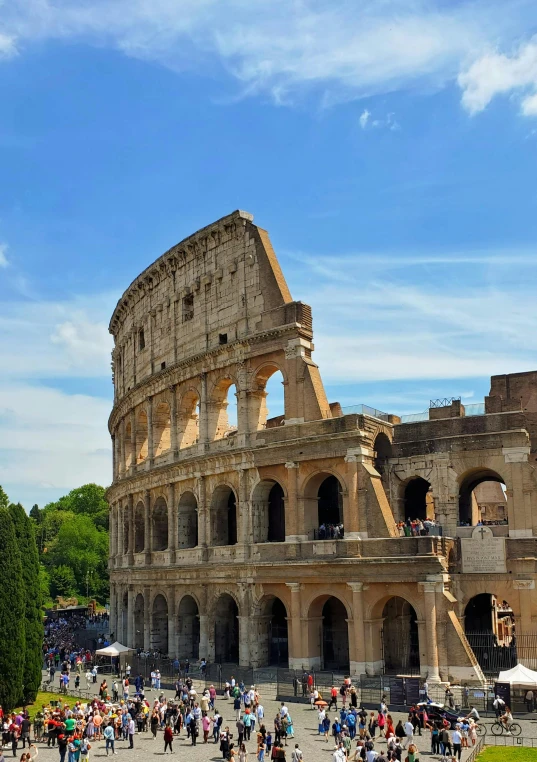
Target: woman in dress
(389, 727)
(290, 729)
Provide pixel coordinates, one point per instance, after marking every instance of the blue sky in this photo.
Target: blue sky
(388, 147)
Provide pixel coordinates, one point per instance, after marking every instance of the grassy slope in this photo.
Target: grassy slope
(508, 754)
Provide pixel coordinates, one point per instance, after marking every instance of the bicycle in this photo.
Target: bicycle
(498, 728)
(480, 729)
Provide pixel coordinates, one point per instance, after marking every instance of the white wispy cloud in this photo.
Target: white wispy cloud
(3, 255)
(282, 48)
(497, 73)
(364, 118)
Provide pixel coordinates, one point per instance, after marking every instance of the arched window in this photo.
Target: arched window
(383, 451)
(482, 498)
(128, 446)
(189, 419)
(266, 401)
(268, 508)
(187, 521)
(223, 516)
(160, 524)
(323, 502)
(162, 428)
(418, 499)
(126, 519)
(139, 528)
(222, 411)
(141, 437)
(489, 624)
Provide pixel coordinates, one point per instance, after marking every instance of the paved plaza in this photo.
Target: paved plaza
(313, 746)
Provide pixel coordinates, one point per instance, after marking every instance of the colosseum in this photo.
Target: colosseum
(322, 538)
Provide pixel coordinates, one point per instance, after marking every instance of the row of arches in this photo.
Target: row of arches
(150, 430)
(482, 499)
(324, 506)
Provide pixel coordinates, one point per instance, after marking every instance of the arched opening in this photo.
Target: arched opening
(125, 530)
(188, 629)
(161, 428)
(266, 401)
(187, 521)
(226, 630)
(222, 412)
(489, 624)
(332, 633)
(329, 509)
(159, 629)
(141, 437)
(223, 516)
(160, 524)
(278, 634)
(482, 499)
(139, 615)
(139, 528)
(400, 640)
(188, 423)
(418, 499)
(124, 616)
(383, 451)
(268, 512)
(128, 446)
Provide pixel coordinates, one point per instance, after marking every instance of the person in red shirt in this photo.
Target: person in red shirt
(333, 698)
(168, 739)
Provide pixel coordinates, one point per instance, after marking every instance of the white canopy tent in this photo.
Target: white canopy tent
(519, 675)
(114, 650)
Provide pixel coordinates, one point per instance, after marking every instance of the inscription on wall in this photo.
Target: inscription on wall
(484, 553)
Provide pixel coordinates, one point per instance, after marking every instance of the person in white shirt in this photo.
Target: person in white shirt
(339, 754)
(371, 755)
(260, 712)
(296, 754)
(284, 710)
(409, 732)
(456, 740)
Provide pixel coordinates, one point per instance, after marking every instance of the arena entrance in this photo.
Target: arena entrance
(139, 621)
(159, 629)
(490, 628)
(333, 637)
(226, 630)
(399, 638)
(188, 630)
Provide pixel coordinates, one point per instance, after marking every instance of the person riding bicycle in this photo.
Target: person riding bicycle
(507, 719)
(474, 714)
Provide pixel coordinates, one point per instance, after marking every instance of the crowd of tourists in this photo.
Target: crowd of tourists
(416, 527)
(330, 532)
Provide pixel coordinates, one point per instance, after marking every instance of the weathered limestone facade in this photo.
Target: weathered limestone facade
(214, 547)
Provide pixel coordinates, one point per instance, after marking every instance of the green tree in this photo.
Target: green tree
(62, 581)
(33, 620)
(4, 500)
(83, 547)
(12, 614)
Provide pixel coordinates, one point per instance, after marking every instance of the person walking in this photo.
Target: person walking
(109, 739)
(529, 699)
(456, 740)
(168, 739)
(131, 730)
(296, 754)
(409, 733)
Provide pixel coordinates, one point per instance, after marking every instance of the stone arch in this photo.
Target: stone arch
(418, 499)
(159, 624)
(124, 616)
(270, 646)
(400, 637)
(160, 524)
(139, 527)
(328, 626)
(188, 415)
(141, 436)
(139, 621)
(383, 451)
(262, 387)
(221, 421)
(324, 494)
(490, 626)
(268, 511)
(188, 628)
(128, 446)
(470, 512)
(125, 528)
(226, 629)
(187, 520)
(224, 516)
(161, 428)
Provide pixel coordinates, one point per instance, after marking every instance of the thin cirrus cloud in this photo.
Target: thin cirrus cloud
(347, 50)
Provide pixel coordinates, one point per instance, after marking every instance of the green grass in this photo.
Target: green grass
(508, 754)
(44, 697)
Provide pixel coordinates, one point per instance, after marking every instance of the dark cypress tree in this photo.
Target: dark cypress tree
(12, 612)
(33, 618)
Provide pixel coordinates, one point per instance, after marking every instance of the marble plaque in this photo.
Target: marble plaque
(484, 553)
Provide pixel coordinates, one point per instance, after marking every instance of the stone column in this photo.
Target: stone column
(122, 466)
(296, 655)
(203, 515)
(350, 505)
(244, 641)
(244, 514)
(130, 618)
(148, 527)
(429, 594)
(150, 442)
(207, 637)
(173, 430)
(372, 637)
(114, 458)
(172, 522)
(294, 513)
(148, 614)
(172, 624)
(112, 540)
(130, 513)
(119, 534)
(360, 660)
(133, 443)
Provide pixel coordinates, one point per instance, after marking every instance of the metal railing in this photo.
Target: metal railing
(365, 410)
